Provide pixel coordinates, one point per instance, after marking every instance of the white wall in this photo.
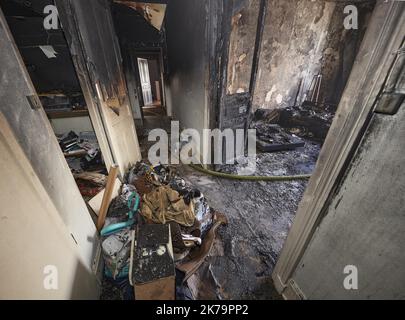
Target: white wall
(33, 234)
(37, 139)
(77, 124)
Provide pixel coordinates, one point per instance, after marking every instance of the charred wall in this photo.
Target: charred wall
(135, 35)
(91, 35)
(186, 23)
(363, 225)
(134, 30)
(241, 46)
(302, 38)
(25, 19)
(341, 50)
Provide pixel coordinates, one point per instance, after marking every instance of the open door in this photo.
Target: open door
(145, 81)
(90, 32)
(375, 86)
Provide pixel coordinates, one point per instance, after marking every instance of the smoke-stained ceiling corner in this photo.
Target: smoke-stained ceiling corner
(154, 13)
(45, 52)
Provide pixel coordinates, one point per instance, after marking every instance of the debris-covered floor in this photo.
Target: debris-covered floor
(259, 213)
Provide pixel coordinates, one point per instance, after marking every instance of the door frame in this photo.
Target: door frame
(32, 118)
(377, 54)
(143, 72)
(72, 34)
(148, 53)
(229, 9)
(104, 89)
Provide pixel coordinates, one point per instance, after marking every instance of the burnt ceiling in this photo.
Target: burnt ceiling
(127, 20)
(49, 74)
(153, 13)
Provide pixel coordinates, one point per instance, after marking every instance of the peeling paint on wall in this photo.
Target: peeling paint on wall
(301, 39)
(293, 39)
(241, 48)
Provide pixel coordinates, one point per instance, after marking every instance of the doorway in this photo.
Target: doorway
(145, 82)
(149, 72)
(52, 72)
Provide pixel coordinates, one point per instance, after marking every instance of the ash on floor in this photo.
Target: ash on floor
(260, 215)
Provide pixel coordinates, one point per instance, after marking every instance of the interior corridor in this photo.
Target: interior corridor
(202, 149)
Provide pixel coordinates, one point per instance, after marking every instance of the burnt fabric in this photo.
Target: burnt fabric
(164, 204)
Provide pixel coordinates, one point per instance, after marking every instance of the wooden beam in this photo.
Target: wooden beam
(107, 196)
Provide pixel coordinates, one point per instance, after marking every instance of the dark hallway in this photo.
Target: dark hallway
(202, 149)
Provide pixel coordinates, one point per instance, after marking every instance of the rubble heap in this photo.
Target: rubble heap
(165, 241)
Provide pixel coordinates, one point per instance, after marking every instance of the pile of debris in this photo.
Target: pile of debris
(156, 234)
(272, 138)
(288, 142)
(85, 161)
(90, 183)
(292, 123)
(84, 147)
(306, 121)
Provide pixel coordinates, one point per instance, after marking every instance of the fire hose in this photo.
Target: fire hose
(249, 178)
